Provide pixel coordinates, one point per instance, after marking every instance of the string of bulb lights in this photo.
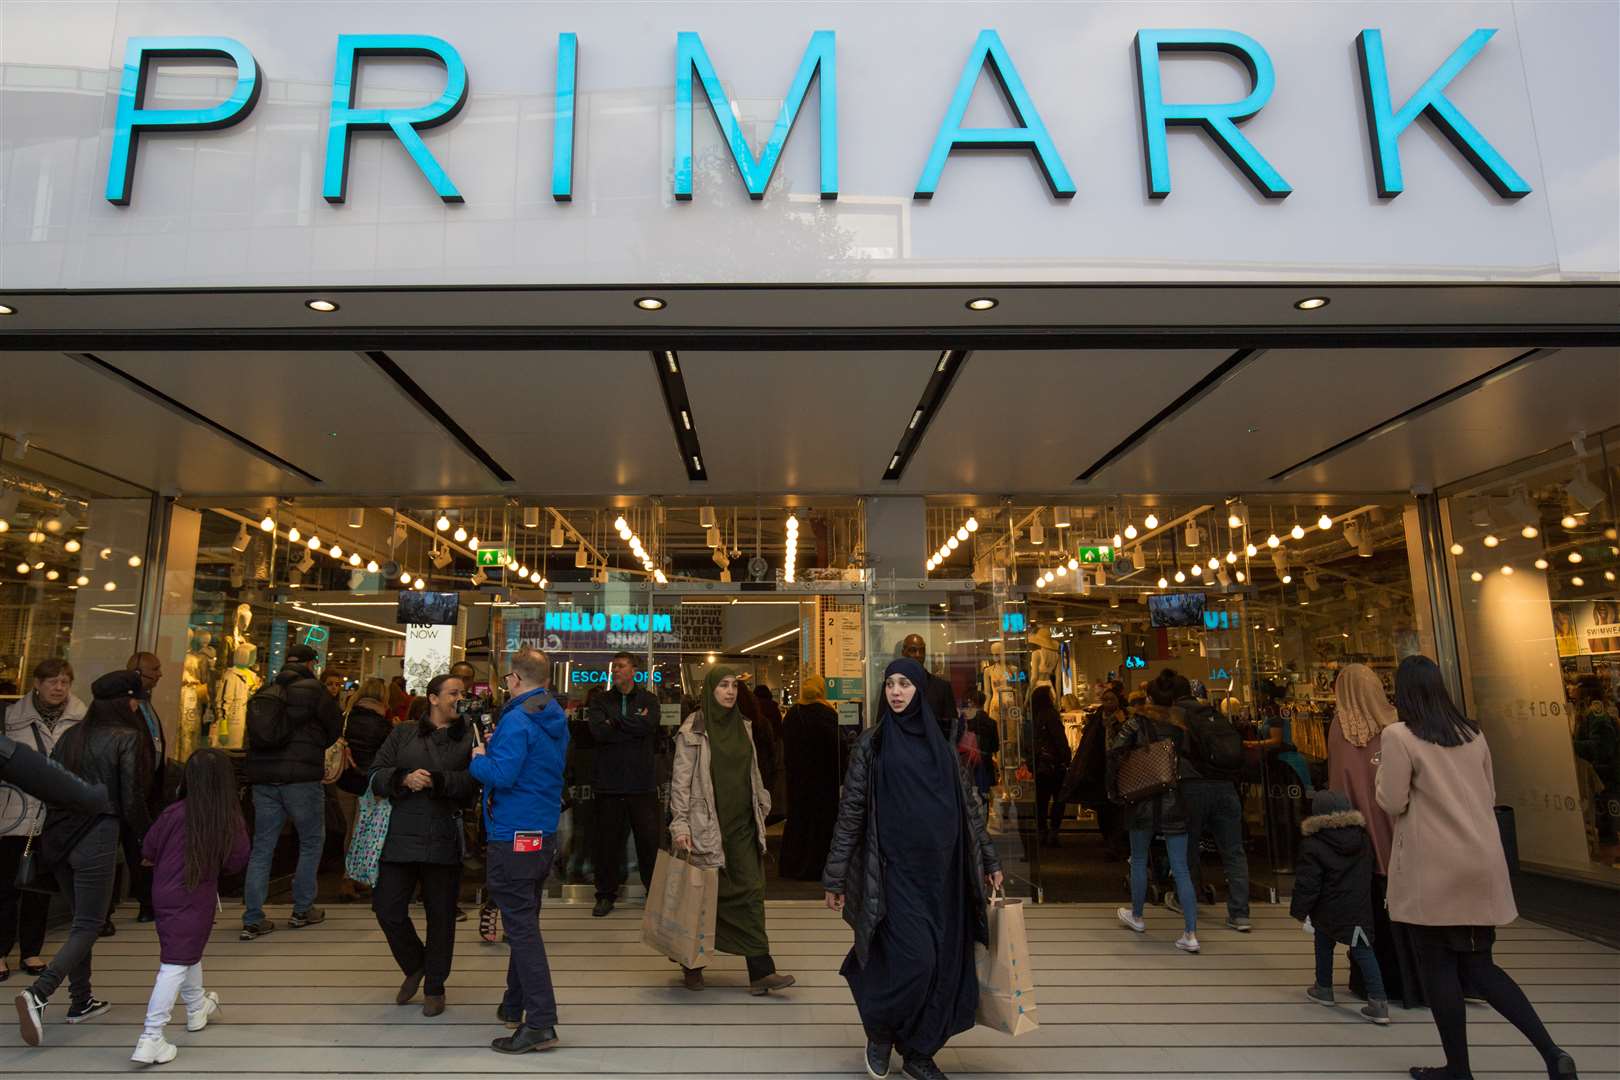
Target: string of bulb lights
(953, 541)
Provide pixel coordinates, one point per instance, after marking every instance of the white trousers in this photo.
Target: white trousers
(173, 980)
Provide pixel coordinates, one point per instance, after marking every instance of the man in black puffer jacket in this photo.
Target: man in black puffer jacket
(286, 781)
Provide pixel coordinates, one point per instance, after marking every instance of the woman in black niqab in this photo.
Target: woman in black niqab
(917, 986)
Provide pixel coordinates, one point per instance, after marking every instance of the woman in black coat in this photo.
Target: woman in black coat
(812, 748)
(422, 769)
(81, 848)
(916, 891)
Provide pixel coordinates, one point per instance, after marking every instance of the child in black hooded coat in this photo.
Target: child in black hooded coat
(1333, 889)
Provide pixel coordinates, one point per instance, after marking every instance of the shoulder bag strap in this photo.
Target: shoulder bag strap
(39, 740)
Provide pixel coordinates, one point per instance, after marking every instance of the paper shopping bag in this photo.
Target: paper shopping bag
(681, 902)
(1006, 981)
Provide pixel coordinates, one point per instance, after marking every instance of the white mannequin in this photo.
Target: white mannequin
(1043, 661)
(994, 678)
(194, 691)
(240, 683)
(238, 637)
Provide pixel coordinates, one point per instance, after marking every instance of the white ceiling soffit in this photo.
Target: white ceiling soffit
(802, 421)
(1283, 406)
(80, 413)
(333, 414)
(880, 308)
(1537, 407)
(1030, 421)
(561, 422)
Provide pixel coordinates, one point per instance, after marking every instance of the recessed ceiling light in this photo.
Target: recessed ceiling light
(1456, 549)
(982, 303)
(1311, 303)
(649, 303)
(7, 309)
(320, 305)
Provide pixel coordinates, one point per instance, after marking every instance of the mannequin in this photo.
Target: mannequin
(240, 683)
(995, 678)
(1043, 662)
(237, 639)
(194, 691)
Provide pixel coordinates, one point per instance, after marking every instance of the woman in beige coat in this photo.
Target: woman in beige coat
(717, 806)
(1448, 876)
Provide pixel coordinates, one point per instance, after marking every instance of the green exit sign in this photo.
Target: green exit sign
(493, 556)
(1092, 556)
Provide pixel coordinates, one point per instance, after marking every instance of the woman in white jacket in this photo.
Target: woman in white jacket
(36, 720)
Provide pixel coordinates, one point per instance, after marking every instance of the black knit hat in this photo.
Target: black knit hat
(118, 684)
(301, 654)
(1328, 802)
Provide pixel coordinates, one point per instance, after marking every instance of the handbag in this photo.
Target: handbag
(1149, 769)
(338, 757)
(28, 876)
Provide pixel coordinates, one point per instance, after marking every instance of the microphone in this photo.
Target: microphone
(32, 773)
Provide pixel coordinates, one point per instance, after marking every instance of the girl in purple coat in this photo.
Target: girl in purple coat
(192, 843)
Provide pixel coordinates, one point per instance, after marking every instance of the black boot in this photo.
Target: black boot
(525, 1039)
(878, 1052)
(923, 1068)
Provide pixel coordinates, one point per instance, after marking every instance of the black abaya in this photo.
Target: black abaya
(918, 986)
(811, 748)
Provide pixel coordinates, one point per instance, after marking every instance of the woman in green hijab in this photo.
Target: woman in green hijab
(717, 806)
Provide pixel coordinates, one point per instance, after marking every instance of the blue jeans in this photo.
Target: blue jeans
(1141, 840)
(1214, 804)
(1361, 955)
(273, 805)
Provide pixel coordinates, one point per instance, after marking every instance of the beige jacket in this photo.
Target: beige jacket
(691, 793)
(1446, 867)
(19, 813)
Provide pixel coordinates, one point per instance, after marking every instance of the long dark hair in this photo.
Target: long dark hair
(1426, 708)
(213, 814)
(102, 712)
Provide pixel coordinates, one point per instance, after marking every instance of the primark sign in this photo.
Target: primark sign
(696, 80)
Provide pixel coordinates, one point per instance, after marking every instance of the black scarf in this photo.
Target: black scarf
(49, 714)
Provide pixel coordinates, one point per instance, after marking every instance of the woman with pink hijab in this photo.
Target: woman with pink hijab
(1361, 714)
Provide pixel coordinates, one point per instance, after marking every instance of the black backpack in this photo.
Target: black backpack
(270, 723)
(1217, 747)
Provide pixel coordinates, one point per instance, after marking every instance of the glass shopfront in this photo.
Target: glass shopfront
(73, 550)
(1533, 560)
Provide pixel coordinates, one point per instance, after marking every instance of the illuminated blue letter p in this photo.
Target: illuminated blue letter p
(134, 117)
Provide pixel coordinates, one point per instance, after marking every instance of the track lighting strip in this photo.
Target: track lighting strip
(426, 402)
(180, 408)
(667, 366)
(1478, 382)
(944, 373)
(1219, 374)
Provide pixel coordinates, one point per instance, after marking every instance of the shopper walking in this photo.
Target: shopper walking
(1087, 779)
(37, 720)
(1448, 876)
(192, 843)
(145, 721)
(1211, 801)
(813, 750)
(1052, 756)
(911, 868)
(1162, 814)
(623, 718)
(717, 806)
(521, 769)
(290, 724)
(365, 730)
(1333, 892)
(81, 848)
(1597, 744)
(770, 715)
(978, 723)
(423, 771)
(1355, 740)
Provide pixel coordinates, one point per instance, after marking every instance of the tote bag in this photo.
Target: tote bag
(679, 918)
(370, 834)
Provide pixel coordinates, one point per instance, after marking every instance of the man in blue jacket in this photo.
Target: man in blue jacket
(522, 772)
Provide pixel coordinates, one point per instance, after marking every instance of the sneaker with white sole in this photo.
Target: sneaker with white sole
(1240, 923)
(1187, 943)
(88, 1010)
(1131, 920)
(153, 1050)
(197, 1019)
(31, 1017)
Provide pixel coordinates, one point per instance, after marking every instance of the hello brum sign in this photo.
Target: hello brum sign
(1386, 121)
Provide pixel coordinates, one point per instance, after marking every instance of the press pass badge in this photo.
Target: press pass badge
(526, 843)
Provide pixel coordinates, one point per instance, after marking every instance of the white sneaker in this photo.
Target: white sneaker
(153, 1050)
(1131, 920)
(196, 1021)
(31, 1018)
(1187, 943)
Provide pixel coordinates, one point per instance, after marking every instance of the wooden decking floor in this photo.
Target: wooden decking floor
(319, 1001)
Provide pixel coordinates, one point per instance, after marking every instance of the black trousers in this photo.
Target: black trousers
(391, 900)
(23, 913)
(517, 881)
(1048, 807)
(613, 814)
(1446, 972)
(86, 879)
